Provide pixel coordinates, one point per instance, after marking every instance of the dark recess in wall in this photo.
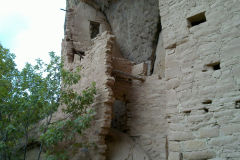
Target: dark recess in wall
(155, 43)
(119, 116)
(214, 66)
(94, 29)
(80, 53)
(197, 19)
(207, 101)
(237, 104)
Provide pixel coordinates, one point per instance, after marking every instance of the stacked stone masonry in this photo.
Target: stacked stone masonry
(188, 108)
(98, 53)
(203, 122)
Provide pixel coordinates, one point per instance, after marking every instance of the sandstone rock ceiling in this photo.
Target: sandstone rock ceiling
(135, 23)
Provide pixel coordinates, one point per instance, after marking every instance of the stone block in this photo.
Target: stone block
(194, 145)
(223, 140)
(180, 136)
(170, 51)
(173, 83)
(199, 118)
(230, 129)
(140, 69)
(177, 127)
(172, 110)
(172, 98)
(231, 49)
(223, 113)
(208, 132)
(172, 73)
(199, 155)
(173, 146)
(174, 156)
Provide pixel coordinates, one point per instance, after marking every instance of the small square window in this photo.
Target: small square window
(197, 19)
(214, 66)
(237, 104)
(207, 101)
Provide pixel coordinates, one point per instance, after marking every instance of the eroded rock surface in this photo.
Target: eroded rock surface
(135, 25)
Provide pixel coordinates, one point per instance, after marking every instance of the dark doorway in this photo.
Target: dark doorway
(94, 29)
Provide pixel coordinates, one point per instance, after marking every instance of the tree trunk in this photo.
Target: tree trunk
(40, 151)
(26, 143)
(41, 146)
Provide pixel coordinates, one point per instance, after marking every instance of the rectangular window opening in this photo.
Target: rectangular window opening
(188, 112)
(237, 104)
(207, 101)
(94, 29)
(214, 66)
(119, 119)
(197, 19)
(81, 54)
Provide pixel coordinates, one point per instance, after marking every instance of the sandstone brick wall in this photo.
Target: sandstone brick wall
(146, 116)
(96, 67)
(201, 102)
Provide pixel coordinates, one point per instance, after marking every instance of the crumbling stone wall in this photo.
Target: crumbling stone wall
(96, 67)
(133, 22)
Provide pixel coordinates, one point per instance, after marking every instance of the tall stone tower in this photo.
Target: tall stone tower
(167, 75)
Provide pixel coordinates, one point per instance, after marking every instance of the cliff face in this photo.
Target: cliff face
(135, 25)
(167, 74)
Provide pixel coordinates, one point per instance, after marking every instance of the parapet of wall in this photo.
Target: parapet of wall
(84, 14)
(83, 23)
(202, 42)
(96, 67)
(133, 22)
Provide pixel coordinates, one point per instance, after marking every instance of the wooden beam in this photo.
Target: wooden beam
(127, 75)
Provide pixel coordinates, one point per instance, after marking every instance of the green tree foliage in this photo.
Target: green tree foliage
(8, 88)
(30, 97)
(77, 119)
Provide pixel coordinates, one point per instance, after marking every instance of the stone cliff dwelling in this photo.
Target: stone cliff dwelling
(167, 75)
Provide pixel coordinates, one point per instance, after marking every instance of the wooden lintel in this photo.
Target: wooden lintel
(127, 75)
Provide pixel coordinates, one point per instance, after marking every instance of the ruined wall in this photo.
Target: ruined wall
(189, 108)
(96, 67)
(135, 23)
(81, 30)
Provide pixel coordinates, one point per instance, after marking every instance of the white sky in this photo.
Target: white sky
(31, 28)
